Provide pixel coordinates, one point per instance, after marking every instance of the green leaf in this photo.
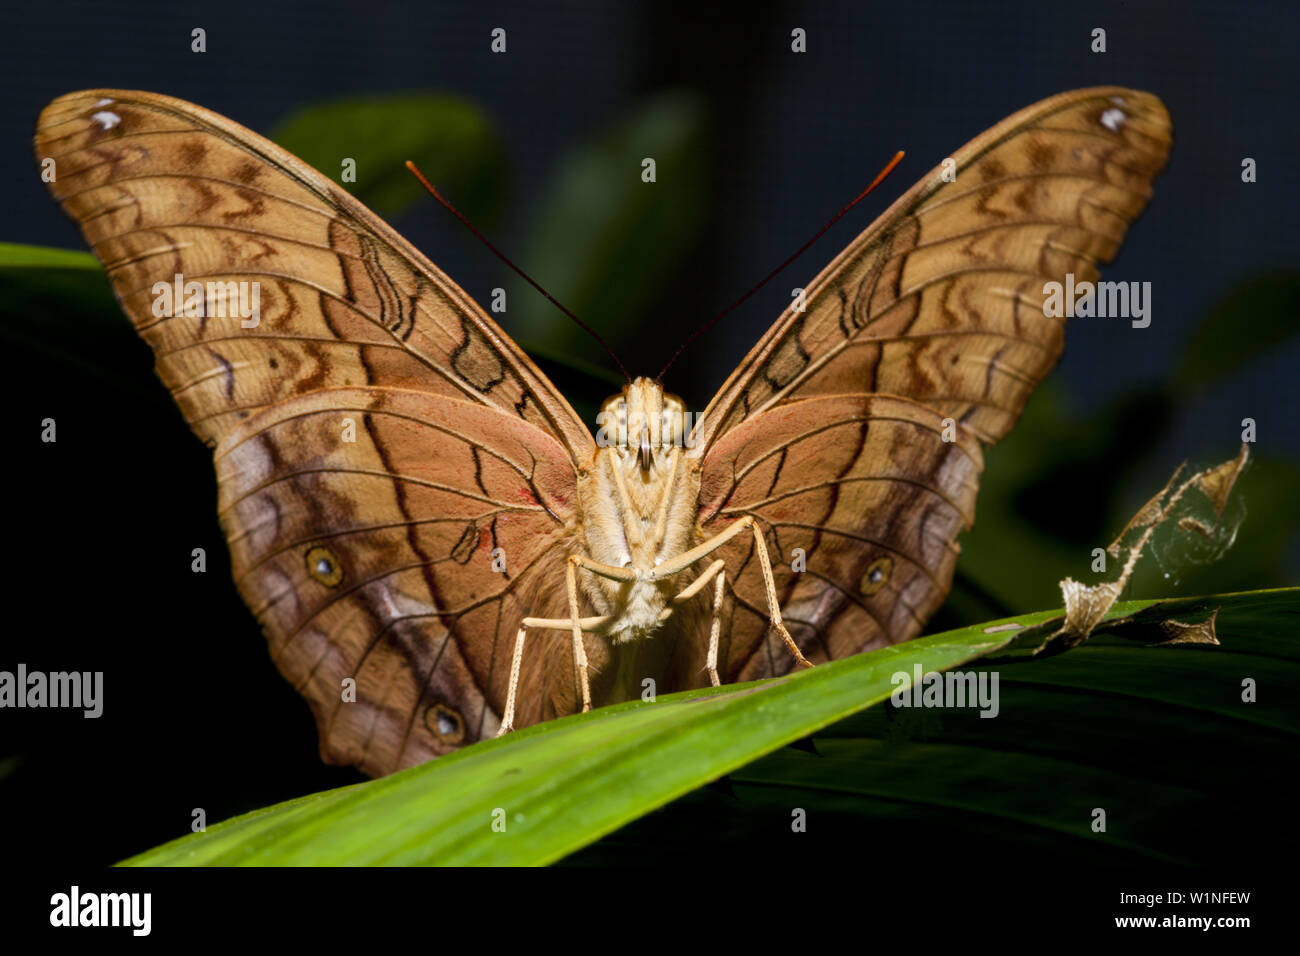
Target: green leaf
(563, 784)
(1159, 737)
(449, 138)
(57, 309)
(14, 256)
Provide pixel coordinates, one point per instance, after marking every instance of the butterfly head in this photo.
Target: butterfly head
(643, 424)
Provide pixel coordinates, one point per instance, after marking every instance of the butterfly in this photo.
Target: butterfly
(438, 548)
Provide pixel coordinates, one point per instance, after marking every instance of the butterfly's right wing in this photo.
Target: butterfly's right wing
(374, 426)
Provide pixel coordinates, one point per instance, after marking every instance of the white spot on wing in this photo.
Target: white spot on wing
(106, 101)
(1118, 101)
(106, 119)
(1113, 120)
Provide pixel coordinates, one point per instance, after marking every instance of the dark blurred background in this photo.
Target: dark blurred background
(756, 147)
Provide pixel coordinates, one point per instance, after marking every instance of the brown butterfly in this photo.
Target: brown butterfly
(410, 504)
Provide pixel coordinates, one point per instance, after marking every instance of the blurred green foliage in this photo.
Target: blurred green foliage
(1268, 305)
(605, 240)
(1061, 485)
(57, 310)
(450, 139)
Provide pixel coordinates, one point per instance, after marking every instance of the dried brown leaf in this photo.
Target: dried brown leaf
(1086, 606)
(1217, 482)
(1148, 514)
(1198, 632)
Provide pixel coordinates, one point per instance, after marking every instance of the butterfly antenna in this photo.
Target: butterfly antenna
(889, 168)
(433, 190)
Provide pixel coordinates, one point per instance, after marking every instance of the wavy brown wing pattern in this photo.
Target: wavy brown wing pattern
(362, 526)
(373, 559)
(940, 303)
(162, 187)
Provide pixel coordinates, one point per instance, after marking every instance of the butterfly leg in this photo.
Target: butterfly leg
(571, 581)
(717, 573)
(579, 648)
(747, 523)
(773, 605)
(711, 662)
(590, 625)
(508, 719)
(575, 623)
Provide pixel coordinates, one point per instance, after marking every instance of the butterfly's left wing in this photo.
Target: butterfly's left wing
(852, 431)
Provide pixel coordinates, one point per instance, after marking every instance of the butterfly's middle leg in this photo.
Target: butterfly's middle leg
(717, 573)
(587, 625)
(687, 558)
(577, 624)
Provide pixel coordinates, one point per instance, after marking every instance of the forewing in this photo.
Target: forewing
(163, 188)
(941, 299)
